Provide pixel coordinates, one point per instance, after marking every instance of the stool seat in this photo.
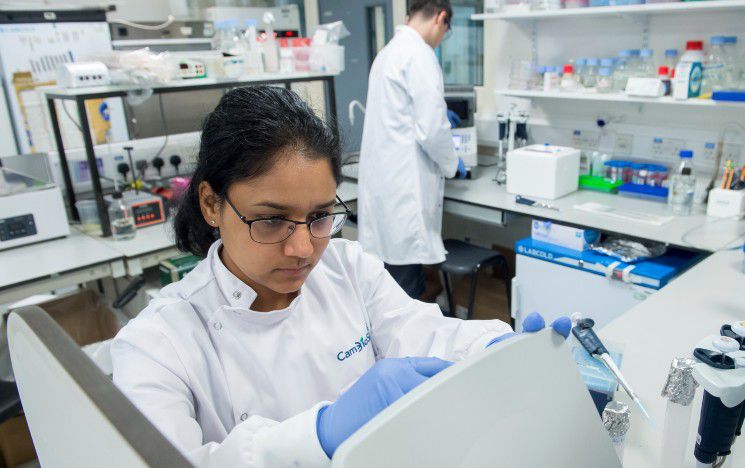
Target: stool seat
(467, 259)
(463, 258)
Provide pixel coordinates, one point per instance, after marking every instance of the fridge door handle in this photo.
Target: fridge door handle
(515, 306)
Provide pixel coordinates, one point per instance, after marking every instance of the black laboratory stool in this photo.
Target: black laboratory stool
(10, 401)
(468, 259)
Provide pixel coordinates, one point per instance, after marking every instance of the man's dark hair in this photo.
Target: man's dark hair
(430, 8)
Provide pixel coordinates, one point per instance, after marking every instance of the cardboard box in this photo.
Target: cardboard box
(175, 268)
(15, 442)
(87, 319)
(564, 236)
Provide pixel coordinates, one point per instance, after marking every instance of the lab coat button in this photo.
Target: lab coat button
(237, 294)
(217, 325)
(244, 416)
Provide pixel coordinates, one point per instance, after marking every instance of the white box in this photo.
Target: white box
(645, 87)
(725, 203)
(543, 171)
(564, 236)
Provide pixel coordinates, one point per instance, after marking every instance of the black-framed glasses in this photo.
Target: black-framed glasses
(276, 229)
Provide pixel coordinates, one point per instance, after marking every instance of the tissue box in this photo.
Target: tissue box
(543, 171)
(564, 236)
(725, 203)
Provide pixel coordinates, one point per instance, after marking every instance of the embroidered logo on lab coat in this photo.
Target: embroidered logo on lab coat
(359, 345)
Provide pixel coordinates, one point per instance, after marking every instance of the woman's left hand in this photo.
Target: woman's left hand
(535, 322)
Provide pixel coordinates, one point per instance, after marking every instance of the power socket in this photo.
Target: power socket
(710, 152)
(624, 144)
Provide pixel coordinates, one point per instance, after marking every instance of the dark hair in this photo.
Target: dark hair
(241, 139)
(430, 8)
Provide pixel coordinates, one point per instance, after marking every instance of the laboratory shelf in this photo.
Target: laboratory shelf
(652, 9)
(617, 97)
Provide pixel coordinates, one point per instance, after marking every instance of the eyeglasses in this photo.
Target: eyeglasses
(275, 229)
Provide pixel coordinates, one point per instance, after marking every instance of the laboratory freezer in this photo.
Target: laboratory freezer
(556, 281)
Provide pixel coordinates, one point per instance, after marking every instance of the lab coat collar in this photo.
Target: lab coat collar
(411, 33)
(240, 296)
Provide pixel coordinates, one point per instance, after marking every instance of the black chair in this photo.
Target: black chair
(468, 259)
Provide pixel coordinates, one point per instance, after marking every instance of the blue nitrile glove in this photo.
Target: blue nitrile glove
(534, 322)
(453, 119)
(385, 382)
(461, 173)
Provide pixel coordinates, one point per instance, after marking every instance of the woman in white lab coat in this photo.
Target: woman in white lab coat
(239, 362)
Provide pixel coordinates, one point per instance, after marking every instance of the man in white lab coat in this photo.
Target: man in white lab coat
(407, 149)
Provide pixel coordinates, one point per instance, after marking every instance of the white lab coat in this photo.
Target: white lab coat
(229, 386)
(407, 151)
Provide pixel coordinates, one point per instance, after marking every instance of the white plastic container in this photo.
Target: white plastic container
(327, 58)
(543, 171)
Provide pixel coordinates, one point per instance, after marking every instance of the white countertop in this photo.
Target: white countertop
(669, 324)
(35, 261)
(696, 231)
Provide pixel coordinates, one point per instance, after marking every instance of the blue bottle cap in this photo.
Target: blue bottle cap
(624, 53)
(635, 52)
(580, 61)
(686, 154)
(717, 40)
(646, 52)
(607, 62)
(592, 62)
(730, 39)
(671, 52)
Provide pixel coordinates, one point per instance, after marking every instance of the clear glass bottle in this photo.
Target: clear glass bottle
(590, 76)
(732, 67)
(714, 77)
(579, 70)
(646, 67)
(622, 72)
(671, 60)
(604, 81)
(682, 186)
(680, 195)
(122, 221)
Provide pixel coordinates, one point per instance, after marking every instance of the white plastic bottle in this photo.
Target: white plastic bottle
(568, 81)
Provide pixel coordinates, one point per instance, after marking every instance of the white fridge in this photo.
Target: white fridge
(556, 281)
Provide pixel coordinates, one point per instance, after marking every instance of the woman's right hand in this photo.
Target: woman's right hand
(385, 382)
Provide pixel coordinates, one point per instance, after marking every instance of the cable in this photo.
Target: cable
(165, 125)
(739, 237)
(169, 21)
(67, 112)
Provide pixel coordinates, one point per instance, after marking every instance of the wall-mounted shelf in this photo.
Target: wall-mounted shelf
(710, 6)
(617, 97)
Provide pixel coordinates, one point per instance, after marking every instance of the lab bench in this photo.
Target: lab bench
(80, 258)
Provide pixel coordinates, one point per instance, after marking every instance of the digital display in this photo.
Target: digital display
(148, 213)
(17, 227)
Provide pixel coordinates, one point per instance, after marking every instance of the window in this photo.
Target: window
(462, 54)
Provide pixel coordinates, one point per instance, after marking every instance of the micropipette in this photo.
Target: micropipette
(589, 339)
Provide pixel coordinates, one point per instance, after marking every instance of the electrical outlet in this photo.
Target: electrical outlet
(710, 151)
(624, 144)
(584, 139)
